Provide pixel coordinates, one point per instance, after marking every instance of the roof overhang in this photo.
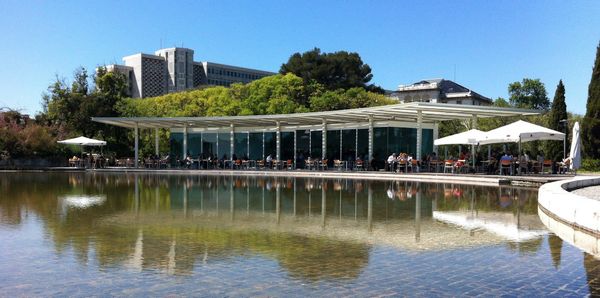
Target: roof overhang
(404, 112)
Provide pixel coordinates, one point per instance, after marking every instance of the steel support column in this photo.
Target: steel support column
(370, 157)
(185, 145)
(136, 145)
(324, 140)
(278, 142)
(231, 143)
(419, 134)
(474, 126)
(436, 135)
(295, 150)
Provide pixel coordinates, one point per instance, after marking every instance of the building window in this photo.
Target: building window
(459, 102)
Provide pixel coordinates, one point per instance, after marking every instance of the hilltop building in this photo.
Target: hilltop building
(439, 91)
(174, 69)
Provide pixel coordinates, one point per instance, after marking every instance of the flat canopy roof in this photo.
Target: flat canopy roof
(430, 112)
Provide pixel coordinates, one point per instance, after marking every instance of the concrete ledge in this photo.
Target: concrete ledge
(581, 213)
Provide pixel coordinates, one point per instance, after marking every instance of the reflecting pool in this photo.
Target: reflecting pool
(81, 234)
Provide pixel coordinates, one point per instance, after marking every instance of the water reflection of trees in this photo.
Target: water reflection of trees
(308, 258)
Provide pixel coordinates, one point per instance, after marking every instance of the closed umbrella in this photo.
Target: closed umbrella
(575, 153)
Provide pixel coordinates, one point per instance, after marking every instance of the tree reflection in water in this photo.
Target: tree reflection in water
(315, 229)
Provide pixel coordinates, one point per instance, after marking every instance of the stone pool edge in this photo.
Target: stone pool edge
(556, 200)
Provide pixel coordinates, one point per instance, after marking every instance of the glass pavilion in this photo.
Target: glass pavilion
(367, 133)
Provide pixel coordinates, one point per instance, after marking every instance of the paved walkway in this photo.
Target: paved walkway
(592, 192)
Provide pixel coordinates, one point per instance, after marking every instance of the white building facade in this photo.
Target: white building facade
(439, 91)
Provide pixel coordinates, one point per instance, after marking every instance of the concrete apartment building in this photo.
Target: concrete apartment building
(174, 69)
(439, 91)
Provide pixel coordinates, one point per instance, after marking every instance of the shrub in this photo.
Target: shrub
(588, 164)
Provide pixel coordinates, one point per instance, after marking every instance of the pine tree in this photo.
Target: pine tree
(591, 122)
(558, 112)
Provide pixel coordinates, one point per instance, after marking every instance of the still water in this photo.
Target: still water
(79, 234)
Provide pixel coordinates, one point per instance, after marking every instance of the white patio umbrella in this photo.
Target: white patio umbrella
(470, 137)
(575, 153)
(82, 141)
(520, 131)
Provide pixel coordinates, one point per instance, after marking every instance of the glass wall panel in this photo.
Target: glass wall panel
(363, 144)
(380, 150)
(256, 146)
(316, 141)
(349, 144)
(427, 143)
(396, 141)
(194, 144)
(402, 140)
(224, 145)
(302, 147)
(333, 145)
(209, 145)
(176, 145)
(241, 145)
(287, 145)
(270, 145)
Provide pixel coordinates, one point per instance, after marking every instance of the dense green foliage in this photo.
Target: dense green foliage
(528, 94)
(70, 109)
(338, 70)
(278, 94)
(591, 165)
(591, 123)
(558, 112)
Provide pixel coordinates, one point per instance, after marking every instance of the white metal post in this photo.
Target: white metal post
(473, 126)
(324, 140)
(436, 135)
(136, 145)
(185, 139)
(370, 142)
(278, 142)
(231, 143)
(419, 134)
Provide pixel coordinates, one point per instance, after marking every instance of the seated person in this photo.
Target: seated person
(391, 162)
(188, 162)
(433, 157)
(564, 165)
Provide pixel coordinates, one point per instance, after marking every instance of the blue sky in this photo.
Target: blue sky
(489, 43)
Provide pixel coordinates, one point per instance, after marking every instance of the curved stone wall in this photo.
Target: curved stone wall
(581, 213)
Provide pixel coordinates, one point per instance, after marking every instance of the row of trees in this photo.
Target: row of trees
(277, 94)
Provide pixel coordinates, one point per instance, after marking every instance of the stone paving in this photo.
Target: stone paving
(592, 192)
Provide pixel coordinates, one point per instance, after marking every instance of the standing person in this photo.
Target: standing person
(524, 162)
(269, 161)
(540, 161)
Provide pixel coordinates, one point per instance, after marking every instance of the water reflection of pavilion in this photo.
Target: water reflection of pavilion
(353, 213)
